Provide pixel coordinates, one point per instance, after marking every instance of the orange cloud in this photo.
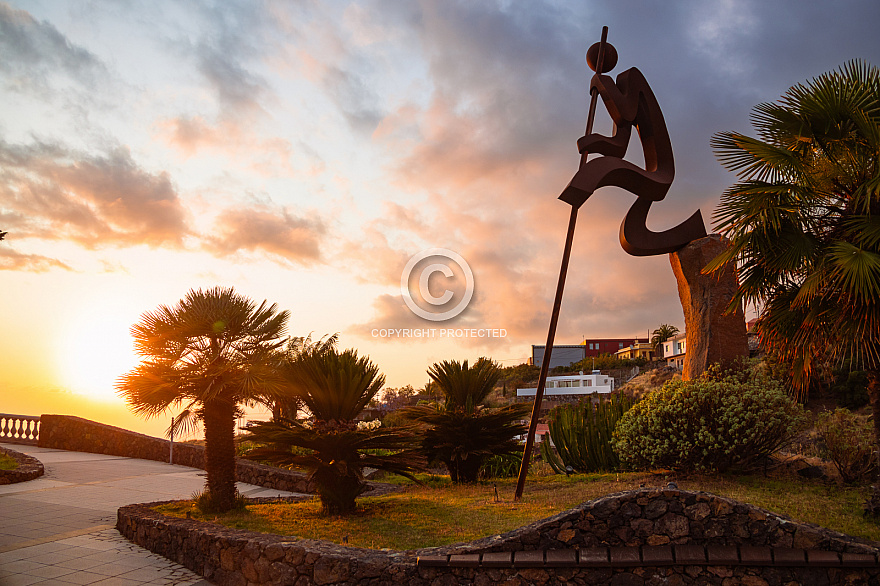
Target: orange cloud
(93, 200)
(10, 260)
(276, 232)
(232, 138)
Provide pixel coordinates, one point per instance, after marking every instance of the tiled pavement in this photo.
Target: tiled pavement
(59, 528)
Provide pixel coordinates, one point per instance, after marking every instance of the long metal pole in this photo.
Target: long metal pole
(545, 364)
(171, 445)
(557, 302)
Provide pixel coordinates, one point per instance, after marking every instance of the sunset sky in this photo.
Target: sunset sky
(303, 151)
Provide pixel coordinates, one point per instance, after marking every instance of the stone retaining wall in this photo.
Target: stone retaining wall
(28, 468)
(642, 537)
(66, 432)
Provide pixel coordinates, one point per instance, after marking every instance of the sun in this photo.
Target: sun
(94, 351)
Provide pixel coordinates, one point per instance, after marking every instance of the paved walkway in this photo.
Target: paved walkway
(59, 528)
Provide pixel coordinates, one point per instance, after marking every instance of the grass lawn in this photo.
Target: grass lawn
(7, 462)
(441, 513)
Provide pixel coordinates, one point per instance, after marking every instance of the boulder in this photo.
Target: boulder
(713, 335)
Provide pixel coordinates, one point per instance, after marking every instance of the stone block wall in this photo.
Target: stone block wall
(28, 468)
(66, 432)
(642, 537)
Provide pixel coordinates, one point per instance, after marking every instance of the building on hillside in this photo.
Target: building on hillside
(753, 339)
(636, 349)
(573, 386)
(674, 350)
(598, 346)
(568, 354)
(563, 355)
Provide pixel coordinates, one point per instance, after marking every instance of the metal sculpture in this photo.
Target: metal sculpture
(630, 102)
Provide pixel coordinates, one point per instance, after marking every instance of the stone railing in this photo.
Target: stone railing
(66, 432)
(19, 429)
(28, 468)
(641, 537)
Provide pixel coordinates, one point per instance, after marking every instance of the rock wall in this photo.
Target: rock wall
(66, 432)
(642, 537)
(712, 334)
(28, 468)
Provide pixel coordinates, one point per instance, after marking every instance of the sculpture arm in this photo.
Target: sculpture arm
(616, 144)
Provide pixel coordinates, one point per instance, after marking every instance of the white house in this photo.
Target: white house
(674, 350)
(576, 384)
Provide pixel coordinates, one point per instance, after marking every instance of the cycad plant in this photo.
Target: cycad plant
(582, 434)
(335, 448)
(460, 431)
(287, 405)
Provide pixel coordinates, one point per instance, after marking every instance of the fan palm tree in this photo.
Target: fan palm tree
(210, 353)
(335, 387)
(804, 224)
(661, 334)
(460, 431)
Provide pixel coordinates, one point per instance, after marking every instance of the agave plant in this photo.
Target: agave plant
(335, 448)
(460, 432)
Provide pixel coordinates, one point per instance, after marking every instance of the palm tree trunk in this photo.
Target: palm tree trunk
(872, 506)
(220, 453)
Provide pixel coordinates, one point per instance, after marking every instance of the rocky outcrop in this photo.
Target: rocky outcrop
(28, 468)
(641, 537)
(713, 335)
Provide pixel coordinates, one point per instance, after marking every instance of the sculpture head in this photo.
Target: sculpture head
(609, 60)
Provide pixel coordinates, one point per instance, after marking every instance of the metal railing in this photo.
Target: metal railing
(19, 429)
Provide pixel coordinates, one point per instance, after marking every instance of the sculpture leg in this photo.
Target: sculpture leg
(603, 171)
(637, 240)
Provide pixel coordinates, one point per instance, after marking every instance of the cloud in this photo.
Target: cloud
(11, 260)
(226, 57)
(233, 138)
(52, 193)
(238, 90)
(33, 51)
(276, 232)
(500, 95)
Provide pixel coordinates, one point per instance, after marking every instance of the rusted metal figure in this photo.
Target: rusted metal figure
(630, 102)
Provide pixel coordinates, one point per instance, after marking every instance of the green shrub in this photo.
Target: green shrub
(501, 466)
(7, 462)
(582, 434)
(851, 389)
(207, 504)
(848, 441)
(708, 424)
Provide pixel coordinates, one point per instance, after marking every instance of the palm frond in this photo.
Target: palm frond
(803, 219)
(857, 270)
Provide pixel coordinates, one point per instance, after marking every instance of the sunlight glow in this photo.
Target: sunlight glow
(95, 349)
